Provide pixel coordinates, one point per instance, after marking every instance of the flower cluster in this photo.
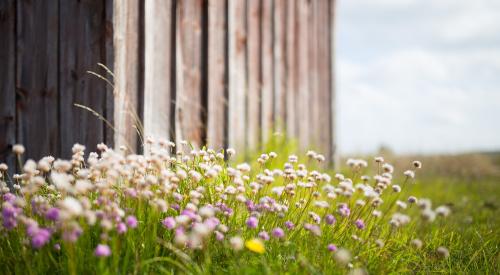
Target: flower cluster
(200, 198)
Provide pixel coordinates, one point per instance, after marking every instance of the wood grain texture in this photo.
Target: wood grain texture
(188, 102)
(254, 11)
(333, 110)
(127, 63)
(280, 73)
(303, 100)
(217, 74)
(237, 73)
(324, 101)
(82, 47)
(292, 70)
(158, 68)
(313, 82)
(36, 77)
(267, 116)
(108, 33)
(7, 82)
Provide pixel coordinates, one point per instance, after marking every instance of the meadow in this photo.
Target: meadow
(180, 210)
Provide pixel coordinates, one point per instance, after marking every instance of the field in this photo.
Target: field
(197, 213)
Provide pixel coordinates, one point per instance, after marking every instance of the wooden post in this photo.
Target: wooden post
(126, 40)
(280, 74)
(292, 70)
(303, 103)
(8, 82)
(158, 68)
(189, 107)
(333, 138)
(237, 73)
(217, 74)
(267, 71)
(254, 72)
(37, 77)
(81, 25)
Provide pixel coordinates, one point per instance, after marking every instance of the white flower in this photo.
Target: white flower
(443, 211)
(409, 174)
(342, 256)
(71, 206)
(236, 243)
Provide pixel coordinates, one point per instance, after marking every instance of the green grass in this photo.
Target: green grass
(470, 233)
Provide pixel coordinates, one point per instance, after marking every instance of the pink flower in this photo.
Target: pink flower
(131, 221)
(102, 250)
(252, 222)
(278, 233)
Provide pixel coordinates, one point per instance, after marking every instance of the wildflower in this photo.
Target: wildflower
(255, 245)
(331, 247)
(428, 215)
(417, 164)
(52, 214)
(252, 222)
(102, 250)
(342, 256)
(289, 225)
(412, 199)
(18, 149)
(388, 168)
(278, 233)
(219, 235)
(131, 221)
(443, 252)
(236, 243)
(379, 159)
(359, 224)
(230, 152)
(417, 243)
(396, 188)
(409, 174)
(169, 223)
(121, 228)
(330, 219)
(264, 235)
(71, 207)
(40, 237)
(443, 211)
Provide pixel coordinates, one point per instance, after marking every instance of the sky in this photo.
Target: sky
(418, 76)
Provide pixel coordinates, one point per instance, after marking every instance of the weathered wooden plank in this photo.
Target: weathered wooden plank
(36, 79)
(254, 11)
(333, 140)
(82, 46)
(237, 73)
(280, 73)
(267, 70)
(217, 74)
(188, 102)
(126, 45)
(292, 70)
(312, 51)
(158, 68)
(7, 82)
(303, 104)
(109, 63)
(323, 57)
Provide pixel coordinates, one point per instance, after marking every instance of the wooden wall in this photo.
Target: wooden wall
(234, 72)
(46, 49)
(222, 72)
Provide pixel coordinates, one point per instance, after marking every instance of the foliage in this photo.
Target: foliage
(198, 212)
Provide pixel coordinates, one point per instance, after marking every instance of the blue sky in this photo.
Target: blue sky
(420, 76)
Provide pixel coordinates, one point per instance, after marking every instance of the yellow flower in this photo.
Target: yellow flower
(255, 245)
